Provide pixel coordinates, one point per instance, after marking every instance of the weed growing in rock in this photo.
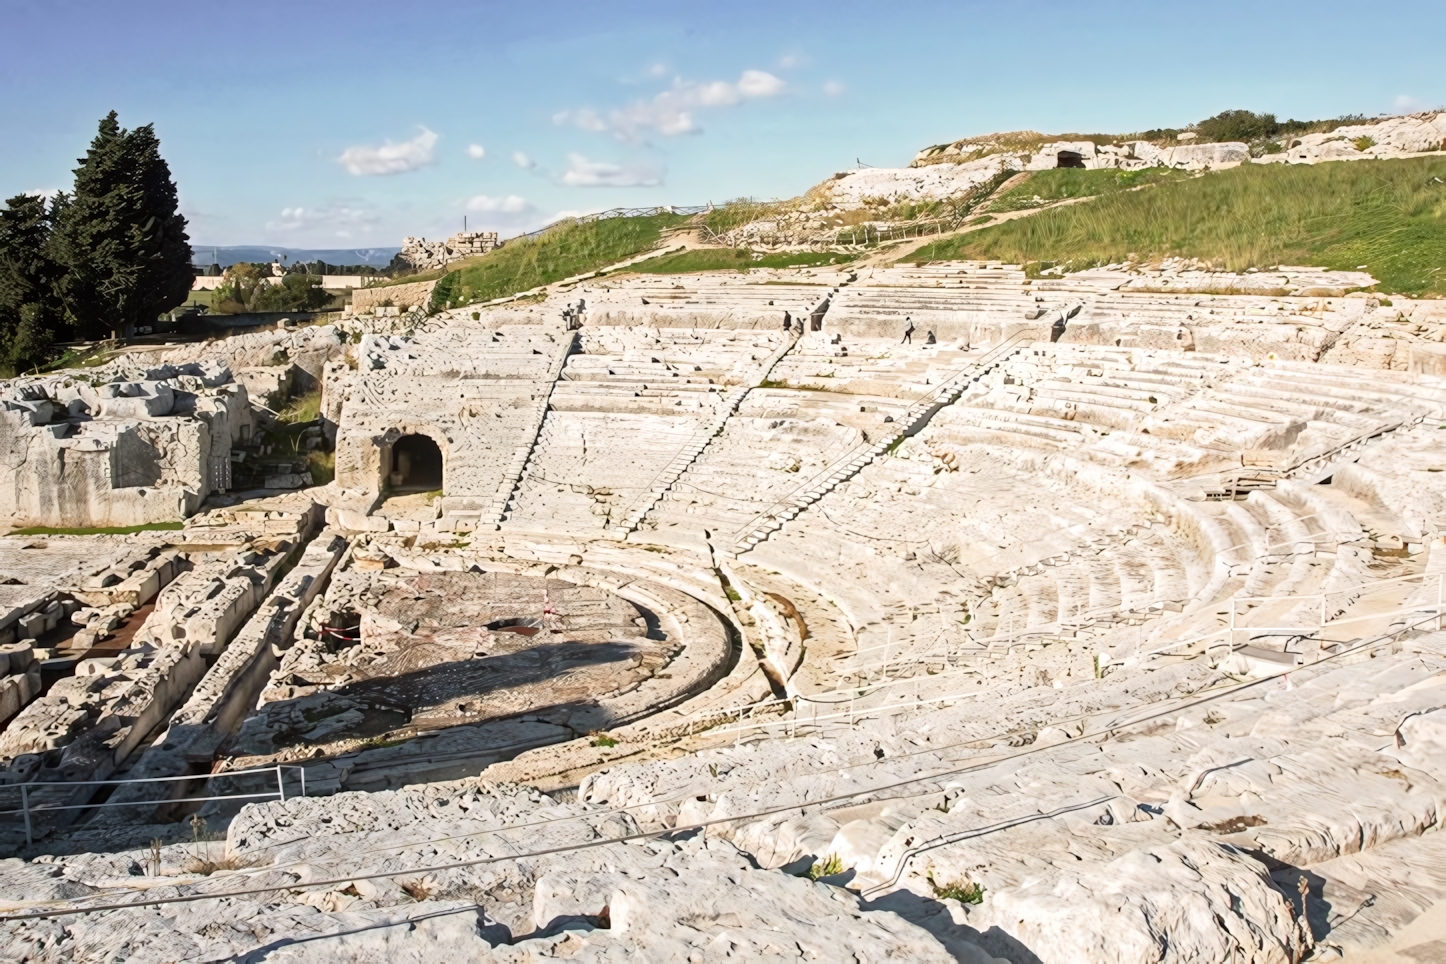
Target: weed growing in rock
(827, 867)
(964, 891)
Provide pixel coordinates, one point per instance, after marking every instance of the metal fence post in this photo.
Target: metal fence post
(280, 787)
(25, 805)
(303, 780)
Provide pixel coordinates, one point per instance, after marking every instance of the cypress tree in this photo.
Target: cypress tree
(29, 310)
(124, 246)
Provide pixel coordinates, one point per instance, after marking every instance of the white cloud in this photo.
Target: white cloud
(834, 88)
(511, 204)
(337, 218)
(582, 172)
(365, 160)
(789, 61)
(476, 151)
(671, 112)
(523, 161)
(760, 83)
(47, 193)
(1406, 104)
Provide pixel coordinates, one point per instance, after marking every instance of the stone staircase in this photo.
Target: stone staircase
(480, 514)
(679, 464)
(844, 468)
(1311, 469)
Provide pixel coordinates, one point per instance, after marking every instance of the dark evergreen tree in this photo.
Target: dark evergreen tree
(29, 310)
(124, 246)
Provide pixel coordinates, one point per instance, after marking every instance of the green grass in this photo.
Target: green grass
(965, 892)
(1046, 187)
(735, 259)
(740, 211)
(302, 408)
(567, 250)
(322, 466)
(827, 867)
(1387, 215)
(98, 530)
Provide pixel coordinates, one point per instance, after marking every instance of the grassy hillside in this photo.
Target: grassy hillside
(735, 259)
(566, 250)
(1045, 187)
(1387, 215)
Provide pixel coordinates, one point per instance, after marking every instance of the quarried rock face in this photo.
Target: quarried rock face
(117, 453)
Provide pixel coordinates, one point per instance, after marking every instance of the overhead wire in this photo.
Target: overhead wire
(1106, 733)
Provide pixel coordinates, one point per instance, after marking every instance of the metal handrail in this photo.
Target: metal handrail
(26, 809)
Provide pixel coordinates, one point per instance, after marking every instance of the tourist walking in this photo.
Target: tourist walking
(908, 331)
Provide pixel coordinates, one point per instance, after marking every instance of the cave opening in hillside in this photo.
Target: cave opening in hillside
(416, 465)
(1070, 159)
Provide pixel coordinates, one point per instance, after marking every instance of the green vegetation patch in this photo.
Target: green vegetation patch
(736, 259)
(302, 408)
(1047, 187)
(98, 530)
(569, 249)
(1387, 215)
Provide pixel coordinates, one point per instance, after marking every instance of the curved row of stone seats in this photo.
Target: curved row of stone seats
(915, 534)
(1176, 414)
(974, 303)
(1295, 775)
(881, 367)
(628, 415)
(1177, 578)
(1259, 568)
(589, 468)
(777, 440)
(756, 300)
(1403, 474)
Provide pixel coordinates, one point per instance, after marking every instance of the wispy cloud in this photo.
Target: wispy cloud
(523, 161)
(582, 172)
(339, 219)
(366, 160)
(1407, 104)
(486, 204)
(476, 151)
(671, 112)
(834, 88)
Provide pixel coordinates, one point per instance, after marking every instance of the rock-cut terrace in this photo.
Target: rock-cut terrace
(1100, 619)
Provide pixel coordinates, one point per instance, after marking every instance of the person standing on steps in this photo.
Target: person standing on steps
(908, 331)
(787, 321)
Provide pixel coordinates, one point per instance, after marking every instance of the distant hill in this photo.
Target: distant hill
(226, 256)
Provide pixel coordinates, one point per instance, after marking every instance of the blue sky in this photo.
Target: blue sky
(318, 124)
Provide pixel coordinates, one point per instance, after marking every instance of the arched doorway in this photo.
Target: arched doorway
(416, 465)
(1070, 159)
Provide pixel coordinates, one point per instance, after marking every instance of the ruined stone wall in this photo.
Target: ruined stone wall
(142, 458)
(478, 393)
(403, 296)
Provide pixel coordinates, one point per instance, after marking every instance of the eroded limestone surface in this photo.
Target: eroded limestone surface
(398, 653)
(1086, 629)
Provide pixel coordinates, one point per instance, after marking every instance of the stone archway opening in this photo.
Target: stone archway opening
(1070, 159)
(416, 465)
